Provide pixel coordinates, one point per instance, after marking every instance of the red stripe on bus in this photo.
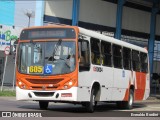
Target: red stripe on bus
(141, 85)
(127, 92)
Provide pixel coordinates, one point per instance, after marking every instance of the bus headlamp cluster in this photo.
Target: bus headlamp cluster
(69, 84)
(22, 85)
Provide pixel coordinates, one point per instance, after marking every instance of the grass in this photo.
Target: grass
(7, 93)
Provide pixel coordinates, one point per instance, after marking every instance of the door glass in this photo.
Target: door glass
(83, 46)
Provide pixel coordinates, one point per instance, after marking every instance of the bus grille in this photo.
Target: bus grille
(44, 81)
(44, 94)
(44, 84)
(42, 87)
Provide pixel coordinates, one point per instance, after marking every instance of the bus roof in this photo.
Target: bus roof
(95, 35)
(110, 39)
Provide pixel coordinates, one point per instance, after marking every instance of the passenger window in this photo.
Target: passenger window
(144, 62)
(106, 53)
(135, 60)
(95, 51)
(127, 58)
(84, 64)
(117, 56)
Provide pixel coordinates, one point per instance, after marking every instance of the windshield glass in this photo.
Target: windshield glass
(47, 58)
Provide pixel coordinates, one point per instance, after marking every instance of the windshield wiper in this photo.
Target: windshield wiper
(56, 48)
(65, 62)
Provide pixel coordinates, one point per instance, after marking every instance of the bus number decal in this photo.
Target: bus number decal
(35, 69)
(97, 69)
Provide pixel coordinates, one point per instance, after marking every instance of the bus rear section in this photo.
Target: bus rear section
(115, 71)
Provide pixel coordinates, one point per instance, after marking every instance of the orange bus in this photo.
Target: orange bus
(72, 64)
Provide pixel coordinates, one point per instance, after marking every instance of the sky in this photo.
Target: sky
(14, 12)
(21, 8)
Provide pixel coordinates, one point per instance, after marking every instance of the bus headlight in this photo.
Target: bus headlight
(21, 85)
(69, 84)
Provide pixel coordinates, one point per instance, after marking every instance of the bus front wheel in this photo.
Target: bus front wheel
(90, 106)
(43, 105)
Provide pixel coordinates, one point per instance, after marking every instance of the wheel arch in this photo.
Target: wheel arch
(97, 89)
(132, 87)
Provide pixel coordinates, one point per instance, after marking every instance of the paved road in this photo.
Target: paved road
(69, 110)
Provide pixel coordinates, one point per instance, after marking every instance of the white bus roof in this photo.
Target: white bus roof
(110, 39)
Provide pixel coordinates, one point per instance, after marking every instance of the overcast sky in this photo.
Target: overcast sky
(21, 7)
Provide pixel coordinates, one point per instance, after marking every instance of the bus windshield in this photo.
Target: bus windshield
(46, 58)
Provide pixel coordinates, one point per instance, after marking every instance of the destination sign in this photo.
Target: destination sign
(48, 33)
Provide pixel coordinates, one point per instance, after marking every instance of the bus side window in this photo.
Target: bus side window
(84, 63)
(127, 58)
(135, 60)
(95, 51)
(117, 56)
(106, 53)
(144, 62)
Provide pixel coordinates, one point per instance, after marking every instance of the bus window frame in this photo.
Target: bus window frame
(118, 67)
(106, 54)
(125, 58)
(85, 67)
(136, 69)
(97, 52)
(146, 64)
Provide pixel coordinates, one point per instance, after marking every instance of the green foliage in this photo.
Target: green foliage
(7, 93)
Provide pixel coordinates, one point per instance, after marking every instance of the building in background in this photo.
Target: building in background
(133, 21)
(13, 19)
(7, 12)
(101, 15)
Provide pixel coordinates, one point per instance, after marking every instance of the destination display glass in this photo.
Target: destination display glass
(48, 33)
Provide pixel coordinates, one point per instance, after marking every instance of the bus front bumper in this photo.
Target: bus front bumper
(37, 95)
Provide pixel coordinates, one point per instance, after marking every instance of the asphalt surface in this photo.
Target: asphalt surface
(149, 107)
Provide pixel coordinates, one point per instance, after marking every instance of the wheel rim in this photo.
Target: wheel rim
(131, 100)
(93, 100)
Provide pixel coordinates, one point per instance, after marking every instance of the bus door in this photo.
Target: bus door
(84, 75)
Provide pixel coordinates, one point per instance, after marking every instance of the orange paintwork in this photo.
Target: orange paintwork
(55, 82)
(140, 82)
(127, 92)
(141, 85)
(47, 40)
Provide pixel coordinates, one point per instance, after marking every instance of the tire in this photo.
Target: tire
(119, 104)
(127, 104)
(43, 105)
(83, 104)
(90, 106)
